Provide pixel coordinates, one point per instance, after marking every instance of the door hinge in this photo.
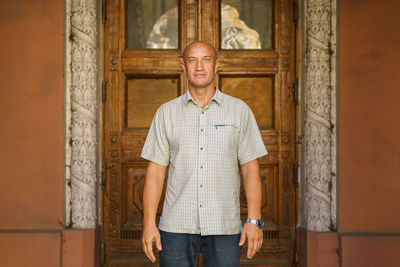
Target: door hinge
(295, 173)
(104, 91)
(295, 91)
(295, 11)
(104, 11)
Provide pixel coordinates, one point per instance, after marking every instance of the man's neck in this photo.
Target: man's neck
(202, 96)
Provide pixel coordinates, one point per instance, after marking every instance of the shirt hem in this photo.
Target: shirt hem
(254, 157)
(155, 159)
(204, 233)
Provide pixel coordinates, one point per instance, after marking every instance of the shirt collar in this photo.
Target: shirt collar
(217, 97)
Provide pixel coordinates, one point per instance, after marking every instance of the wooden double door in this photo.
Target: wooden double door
(143, 42)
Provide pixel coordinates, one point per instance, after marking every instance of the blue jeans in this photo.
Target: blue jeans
(181, 250)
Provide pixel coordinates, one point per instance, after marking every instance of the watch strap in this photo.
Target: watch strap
(258, 223)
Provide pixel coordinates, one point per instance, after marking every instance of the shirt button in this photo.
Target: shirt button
(201, 206)
(201, 167)
(201, 186)
(202, 112)
(202, 130)
(201, 148)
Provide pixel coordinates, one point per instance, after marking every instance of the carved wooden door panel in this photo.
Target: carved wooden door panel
(143, 40)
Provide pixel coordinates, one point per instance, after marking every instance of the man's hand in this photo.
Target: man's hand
(254, 237)
(152, 190)
(151, 235)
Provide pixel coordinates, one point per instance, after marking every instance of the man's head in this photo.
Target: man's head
(200, 64)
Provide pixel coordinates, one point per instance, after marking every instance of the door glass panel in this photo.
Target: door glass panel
(257, 92)
(152, 24)
(246, 24)
(145, 95)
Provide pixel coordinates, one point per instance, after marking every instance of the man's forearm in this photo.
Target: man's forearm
(152, 191)
(253, 188)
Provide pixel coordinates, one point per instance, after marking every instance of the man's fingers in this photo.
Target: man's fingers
(149, 249)
(151, 235)
(158, 243)
(252, 248)
(242, 238)
(260, 242)
(254, 245)
(145, 249)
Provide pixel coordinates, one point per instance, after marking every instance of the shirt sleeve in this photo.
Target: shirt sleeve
(251, 145)
(156, 146)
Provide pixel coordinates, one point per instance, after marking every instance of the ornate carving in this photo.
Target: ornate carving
(285, 63)
(112, 197)
(125, 252)
(114, 139)
(81, 110)
(138, 175)
(320, 168)
(286, 217)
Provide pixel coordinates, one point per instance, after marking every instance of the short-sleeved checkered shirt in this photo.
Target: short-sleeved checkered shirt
(203, 148)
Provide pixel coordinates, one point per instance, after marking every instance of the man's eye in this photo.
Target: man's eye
(206, 59)
(191, 60)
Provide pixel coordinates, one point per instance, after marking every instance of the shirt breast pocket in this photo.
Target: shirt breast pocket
(223, 138)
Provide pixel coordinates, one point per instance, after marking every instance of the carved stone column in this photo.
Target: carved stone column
(320, 115)
(81, 113)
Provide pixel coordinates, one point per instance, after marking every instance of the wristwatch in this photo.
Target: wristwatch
(258, 223)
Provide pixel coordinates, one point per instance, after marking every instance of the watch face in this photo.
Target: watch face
(260, 224)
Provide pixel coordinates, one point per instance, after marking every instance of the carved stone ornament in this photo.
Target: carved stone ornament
(81, 113)
(319, 200)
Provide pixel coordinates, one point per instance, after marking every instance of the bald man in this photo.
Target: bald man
(207, 139)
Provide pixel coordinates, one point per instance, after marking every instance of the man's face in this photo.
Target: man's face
(200, 65)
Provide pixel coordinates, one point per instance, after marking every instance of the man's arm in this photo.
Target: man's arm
(153, 186)
(252, 187)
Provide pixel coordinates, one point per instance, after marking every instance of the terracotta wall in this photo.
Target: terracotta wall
(369, 144)
(369, 130)
(31, 140)
(369, 116)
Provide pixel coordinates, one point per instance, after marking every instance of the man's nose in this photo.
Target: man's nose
(199, 65)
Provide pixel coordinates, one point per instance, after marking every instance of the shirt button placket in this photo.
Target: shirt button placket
(202, 166)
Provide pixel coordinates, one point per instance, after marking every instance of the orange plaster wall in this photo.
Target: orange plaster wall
(31, 132)
(78, 249)
(30, 249)
(369, 116)
(371, 251)
(31, 108)
(31, 141)
(322, 249)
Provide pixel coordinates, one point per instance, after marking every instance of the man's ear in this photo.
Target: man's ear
(183, 66)
(216, 65)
